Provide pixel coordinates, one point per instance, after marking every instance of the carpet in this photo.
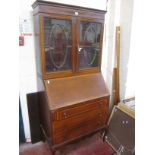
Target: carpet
(88, 146)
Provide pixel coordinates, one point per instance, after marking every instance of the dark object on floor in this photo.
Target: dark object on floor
(121, 130)
(34, 116)
(88, 146)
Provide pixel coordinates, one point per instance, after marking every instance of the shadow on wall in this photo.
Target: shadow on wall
(125, 12)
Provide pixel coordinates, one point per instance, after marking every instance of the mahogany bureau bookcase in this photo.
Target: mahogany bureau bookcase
(74, 100)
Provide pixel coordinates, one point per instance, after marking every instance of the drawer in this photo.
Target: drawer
(74, 133)
(79, 120)
(81, 108)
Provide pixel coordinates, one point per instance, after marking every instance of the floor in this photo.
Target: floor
(88, 146)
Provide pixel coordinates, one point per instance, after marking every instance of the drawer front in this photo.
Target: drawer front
(74, 133)
(82, 108)
(74, 127)
(79, 120)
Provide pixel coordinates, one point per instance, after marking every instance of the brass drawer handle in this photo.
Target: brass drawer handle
(65, 115)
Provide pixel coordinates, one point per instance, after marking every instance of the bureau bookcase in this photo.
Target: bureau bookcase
(74, 99)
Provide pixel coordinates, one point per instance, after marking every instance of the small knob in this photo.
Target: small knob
(65, 115)
(79, 49)
(76, 13)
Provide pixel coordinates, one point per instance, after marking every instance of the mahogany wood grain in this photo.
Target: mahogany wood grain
(67, 12)
(79, 120)
(75, 133)
(68, 91)
(76, 110)
(58, 8)
(74, 103)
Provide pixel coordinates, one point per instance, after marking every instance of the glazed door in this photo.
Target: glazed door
(89, 43)
(70, 45)
(57, 44)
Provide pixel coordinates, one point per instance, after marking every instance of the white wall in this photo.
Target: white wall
(127, 84)
(27, 67)
(109, 45)
(119, 13)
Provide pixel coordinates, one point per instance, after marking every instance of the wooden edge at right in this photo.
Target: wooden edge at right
(111, 114)
(126, 109)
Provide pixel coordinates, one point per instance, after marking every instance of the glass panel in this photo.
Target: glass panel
(57, 44)
(89, 44)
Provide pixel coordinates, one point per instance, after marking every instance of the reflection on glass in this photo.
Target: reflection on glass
(89, 44)
(57, 43)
